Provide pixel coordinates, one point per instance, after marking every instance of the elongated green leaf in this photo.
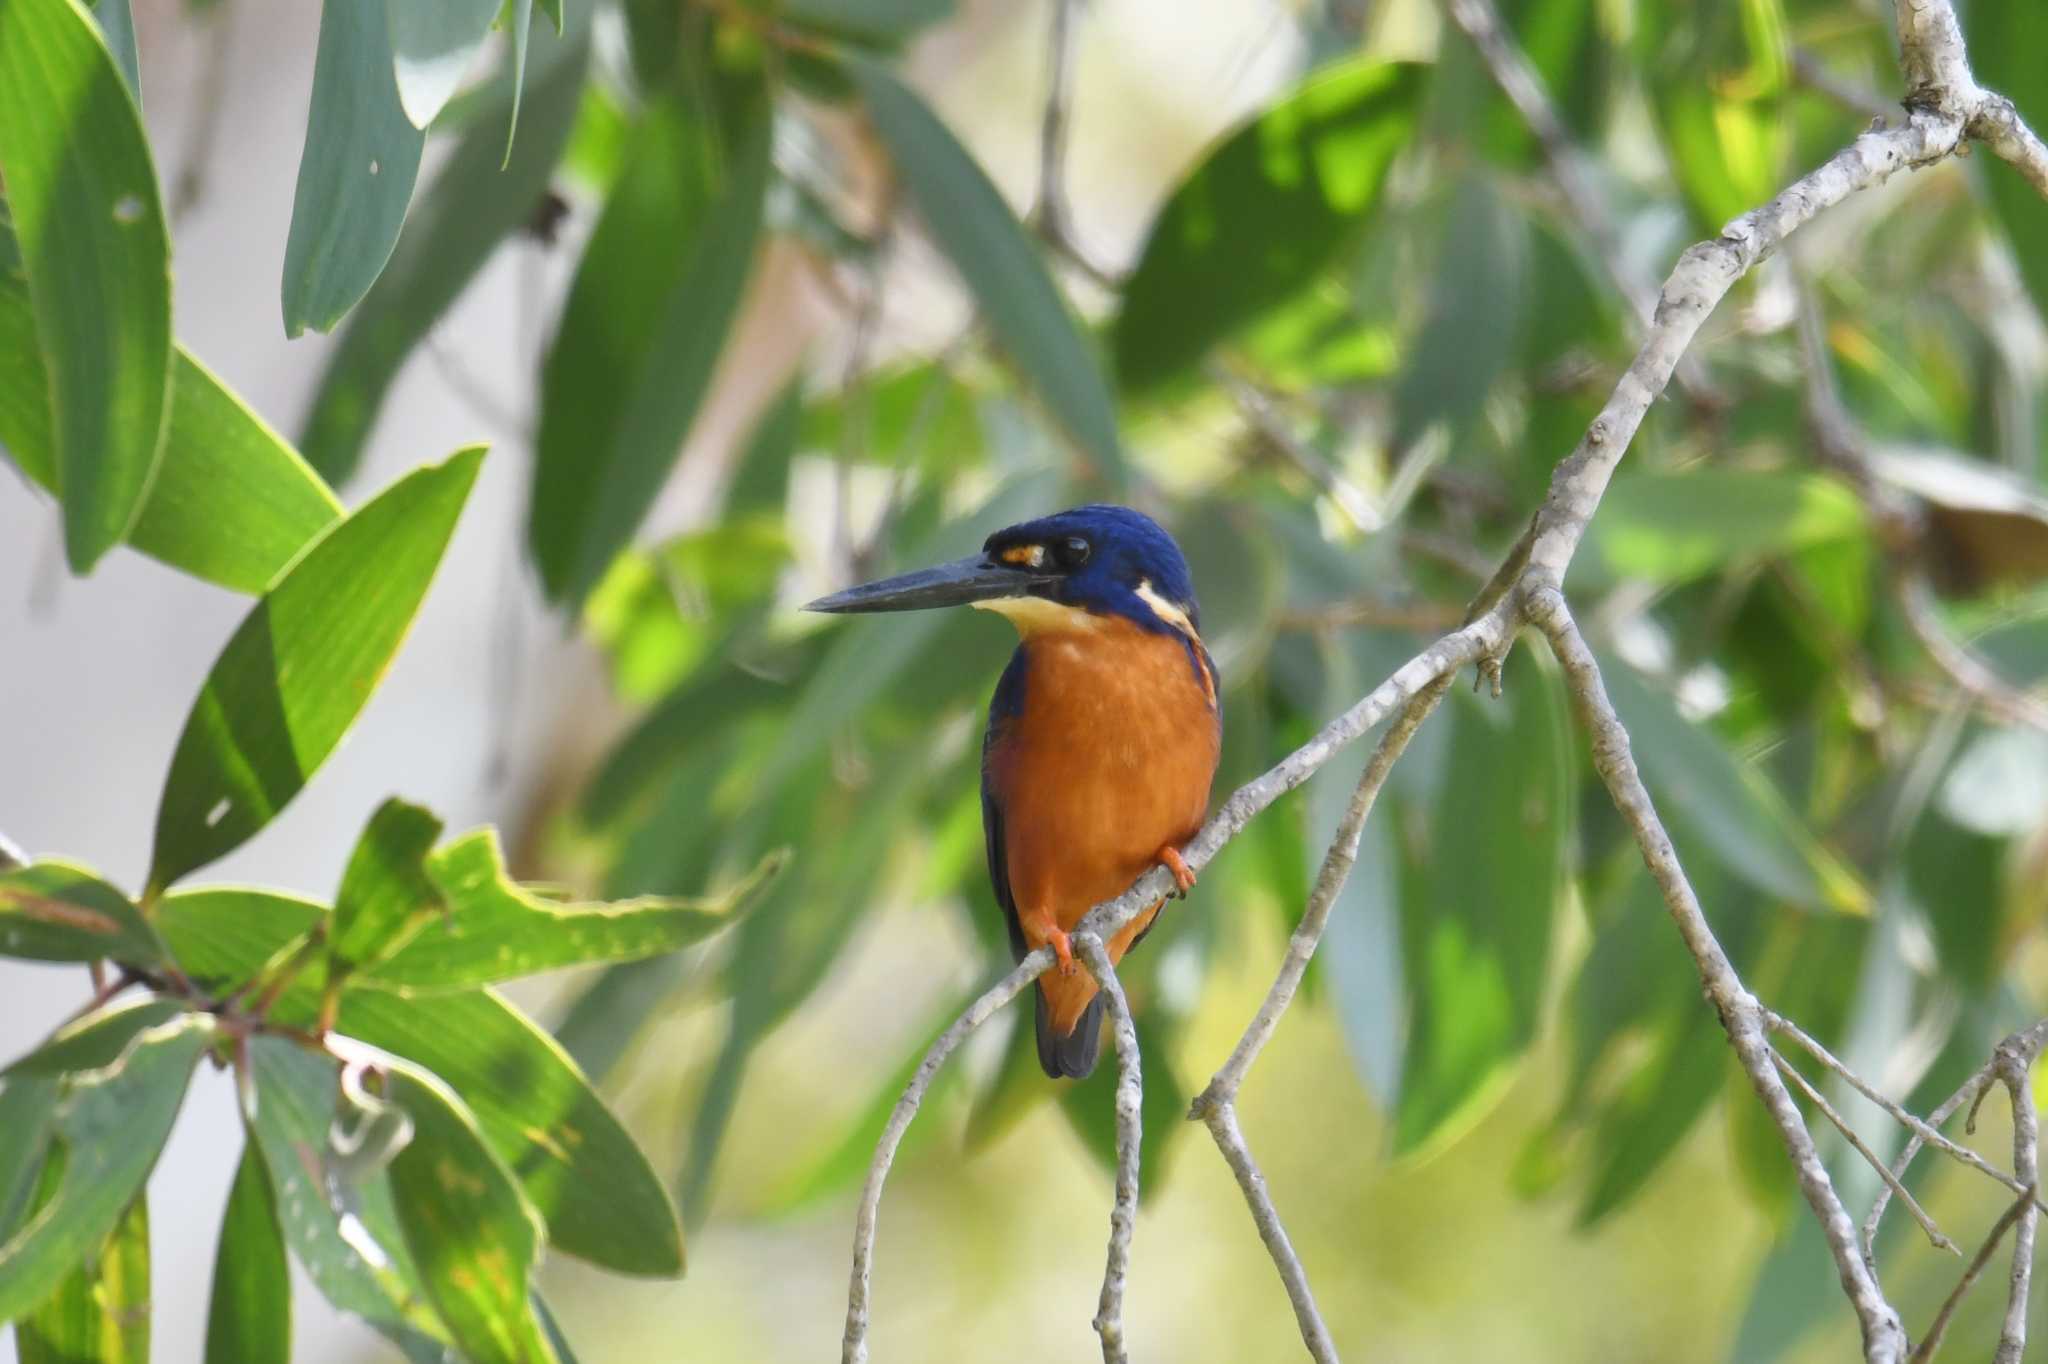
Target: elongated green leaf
(117, 26)
(100, 1313)
(579, 1168)
(884, 22)
(95, 1041)
(385, 893)
(250, 1319)
(1717, 76)
(1667, 528)
(231, 501)
(27, 1105)
(90, 223)
(432, 45)
(300, 667)
(112, 1123)
(646, 319)
(1262, 214)
(476, 202)
(975, 228)
(55, 911)
(471, 1233)
(355, 174)
(1738, 817)
(497, 930)
(1478, 294)
(1477, 914)
(219, 936)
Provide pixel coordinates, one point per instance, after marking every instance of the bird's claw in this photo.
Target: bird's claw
(1062, 950)
(1183, 874)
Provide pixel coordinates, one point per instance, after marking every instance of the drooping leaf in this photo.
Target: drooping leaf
(1477, 912)
(231, 501)
(90, 223)
(1668, 528)
(112, 1123)
(100, 1313)
(1262, 214)
(645, 322)
(432, 45)
(249, 1320)
(52, 910)
(385, 893)
(356, 172)
(975, 228)
(576, 1163)
(476, 201)
(300, 667)
(1739, 818)
(471, 1233)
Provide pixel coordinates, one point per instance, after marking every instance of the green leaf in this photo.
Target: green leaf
(27, 1104)
(576, 1163)
(974, 227)
(1478, 911)
(100, 1313)
(882, 22)
(300, 667)
(476, 201)
(117, 26)
(1478, 296)
(495, 929)
(231, 502)
(1739, 817)
(2004, 42)
(220, 936)
(385, 893)
(52, 910)
(95, 1041)
(646, 320)
(90, 223)
(1262, 214)
(112, 1123)
(1669, 528)
(522, 32)
(471, 1233)
(355, 173)
(432, 45)
(1716, 75)
(250, 1319)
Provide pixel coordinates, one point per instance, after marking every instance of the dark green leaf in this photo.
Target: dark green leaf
(117, 26)
(882, 22)
(1739, 817)
(1477, 911)
(495, 929)
(100, 1313)
(112, 1123)
(55, 911)
(97, 255)
(300, 667)
(645, 322)
(522, 32)
(1667, 528)
(231, 502)
(760, 482)
(355, 173)
(1262, 214)
(95, 1041)
(27, 1105)
(975, 228)
(385, 893)
(471, 1233)
(250, 1319)
(432, 45)
(476, 201)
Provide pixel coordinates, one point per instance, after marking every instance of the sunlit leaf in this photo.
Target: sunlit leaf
(249, 1320)
(1262, 214)
(100, 1313)
(112, 1123)
(1667, 528)
(975, 228)
(355, 173)
(1717, 75)
(90, 224)
(645, 322)
(300, 667)
(385, 892)
(477, 200)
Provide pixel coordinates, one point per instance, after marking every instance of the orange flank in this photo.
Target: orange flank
(1101, 773)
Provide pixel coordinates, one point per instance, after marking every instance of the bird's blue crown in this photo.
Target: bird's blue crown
(1106, 559)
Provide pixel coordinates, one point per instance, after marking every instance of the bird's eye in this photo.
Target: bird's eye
(1071, 552)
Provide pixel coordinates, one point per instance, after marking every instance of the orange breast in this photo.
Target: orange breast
(1109, 760)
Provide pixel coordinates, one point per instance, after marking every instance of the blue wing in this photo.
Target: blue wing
(1003, 708)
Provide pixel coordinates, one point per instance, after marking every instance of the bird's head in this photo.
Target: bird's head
(1065, 571)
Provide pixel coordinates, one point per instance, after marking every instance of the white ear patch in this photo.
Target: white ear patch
(1036, 615)
(1164, 609)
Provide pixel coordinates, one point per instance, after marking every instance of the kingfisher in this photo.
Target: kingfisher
(1102, 738)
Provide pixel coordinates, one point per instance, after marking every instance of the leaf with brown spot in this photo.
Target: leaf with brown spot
(58, 911)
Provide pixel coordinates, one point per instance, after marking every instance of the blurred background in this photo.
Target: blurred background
(1500, 1122)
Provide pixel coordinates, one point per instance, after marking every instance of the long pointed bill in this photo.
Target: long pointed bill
(954, 584)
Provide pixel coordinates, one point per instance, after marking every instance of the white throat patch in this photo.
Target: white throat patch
(1036, 615)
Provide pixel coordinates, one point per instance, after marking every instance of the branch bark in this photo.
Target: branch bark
(1130, 1103)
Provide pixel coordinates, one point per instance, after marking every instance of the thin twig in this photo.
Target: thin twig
(2013, 1063)
(1130, 1103)
(1265, 417)
(1053, 214)
(1970, 1275)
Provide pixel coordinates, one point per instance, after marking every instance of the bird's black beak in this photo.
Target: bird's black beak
(954, 584)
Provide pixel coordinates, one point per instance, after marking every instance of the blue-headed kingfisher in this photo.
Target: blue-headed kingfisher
(1102, 736)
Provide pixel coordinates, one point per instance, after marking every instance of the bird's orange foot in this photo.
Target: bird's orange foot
(1063, 949)
(1183, 874)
